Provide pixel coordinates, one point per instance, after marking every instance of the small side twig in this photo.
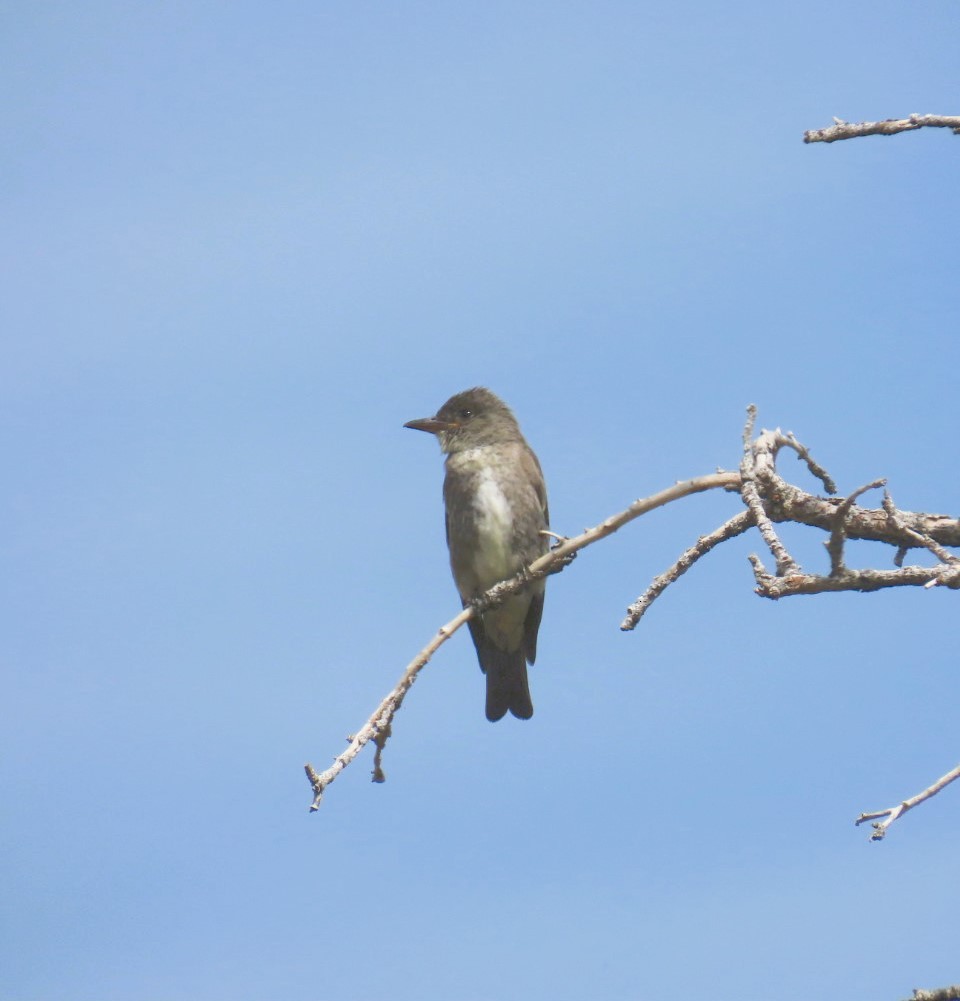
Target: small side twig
(730, 529)
(839, 534)
(803, 454)
(919, 538)
(896, 812)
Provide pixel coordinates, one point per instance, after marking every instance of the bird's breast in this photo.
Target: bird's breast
(482, 522)
(494, 520)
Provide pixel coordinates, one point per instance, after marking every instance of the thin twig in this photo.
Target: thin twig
(737, 525)
(378, 725)
(835, 543)
(896, 812)
(815, 468)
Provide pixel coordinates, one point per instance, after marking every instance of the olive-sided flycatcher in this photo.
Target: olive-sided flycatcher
(496, 506)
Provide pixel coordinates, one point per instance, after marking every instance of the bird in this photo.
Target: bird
(497, 517)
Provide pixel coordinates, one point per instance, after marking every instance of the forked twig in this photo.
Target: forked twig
(896, 812)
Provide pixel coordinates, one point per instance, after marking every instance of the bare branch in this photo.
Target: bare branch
(378, 726)
(751, 497)
(771, 586)
(896, 812)
(786, 502)
(888, 127)
(737, 525)
(868, 524)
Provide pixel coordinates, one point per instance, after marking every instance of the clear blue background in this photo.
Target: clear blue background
(243, 243)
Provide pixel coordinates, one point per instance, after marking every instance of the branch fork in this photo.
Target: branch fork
(894, 813)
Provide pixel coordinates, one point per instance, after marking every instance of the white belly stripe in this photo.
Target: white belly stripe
(495, 527)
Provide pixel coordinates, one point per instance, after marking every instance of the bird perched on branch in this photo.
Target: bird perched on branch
(496, 517)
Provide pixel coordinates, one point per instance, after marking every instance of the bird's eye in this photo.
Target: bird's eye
(466, 413)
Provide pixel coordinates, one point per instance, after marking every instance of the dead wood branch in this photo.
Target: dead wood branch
(896, 812)
(768, 500)
(378, 727)
(890, 126)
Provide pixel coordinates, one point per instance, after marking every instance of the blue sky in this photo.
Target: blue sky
(243, 243)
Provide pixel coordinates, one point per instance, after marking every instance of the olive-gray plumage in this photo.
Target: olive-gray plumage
(496, 513)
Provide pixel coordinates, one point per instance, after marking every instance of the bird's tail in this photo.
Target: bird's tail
(507, 687)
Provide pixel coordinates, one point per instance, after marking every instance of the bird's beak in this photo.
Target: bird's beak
(431, 424)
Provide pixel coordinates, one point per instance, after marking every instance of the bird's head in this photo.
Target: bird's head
(471, 419)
